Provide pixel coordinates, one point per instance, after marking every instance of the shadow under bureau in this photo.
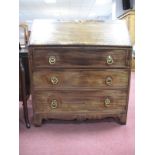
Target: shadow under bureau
(79, 70)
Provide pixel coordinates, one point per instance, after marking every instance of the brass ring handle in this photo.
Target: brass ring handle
(107, 102)
(52, 60)
(54, 80)
(108, 81)
(54, 104)
(109, 60)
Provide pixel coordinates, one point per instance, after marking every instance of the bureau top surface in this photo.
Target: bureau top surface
(46, 32)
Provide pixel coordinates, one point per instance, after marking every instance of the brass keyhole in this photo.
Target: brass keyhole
(52, 60)
(108, 81)
(109, 60)
(54, 104)
(54, 80)
(107, 102)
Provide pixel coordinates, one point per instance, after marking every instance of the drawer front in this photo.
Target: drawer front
(80, 101)
(67, 78)
(83, 58)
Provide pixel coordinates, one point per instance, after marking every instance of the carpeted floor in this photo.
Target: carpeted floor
(95, 138)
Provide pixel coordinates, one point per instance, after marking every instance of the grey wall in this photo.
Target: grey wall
(119, 7)
(132, 2)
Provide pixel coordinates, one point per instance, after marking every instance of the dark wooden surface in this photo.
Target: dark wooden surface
(80, 57)
(80, 78)
(24, 90)
(23, 55)
(81, 101)
(81, 68)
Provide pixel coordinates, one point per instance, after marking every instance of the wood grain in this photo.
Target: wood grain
(82, 58)
(80, 100)
(80, 78)
(80, 51)
(46, 32)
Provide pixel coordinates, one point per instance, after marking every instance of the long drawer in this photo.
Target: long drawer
(88, 78)
(101, 100)
(80, 58)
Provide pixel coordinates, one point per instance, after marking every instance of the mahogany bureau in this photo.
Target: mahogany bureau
(79, 71)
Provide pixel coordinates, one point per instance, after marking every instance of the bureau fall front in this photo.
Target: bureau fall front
(79, 71)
